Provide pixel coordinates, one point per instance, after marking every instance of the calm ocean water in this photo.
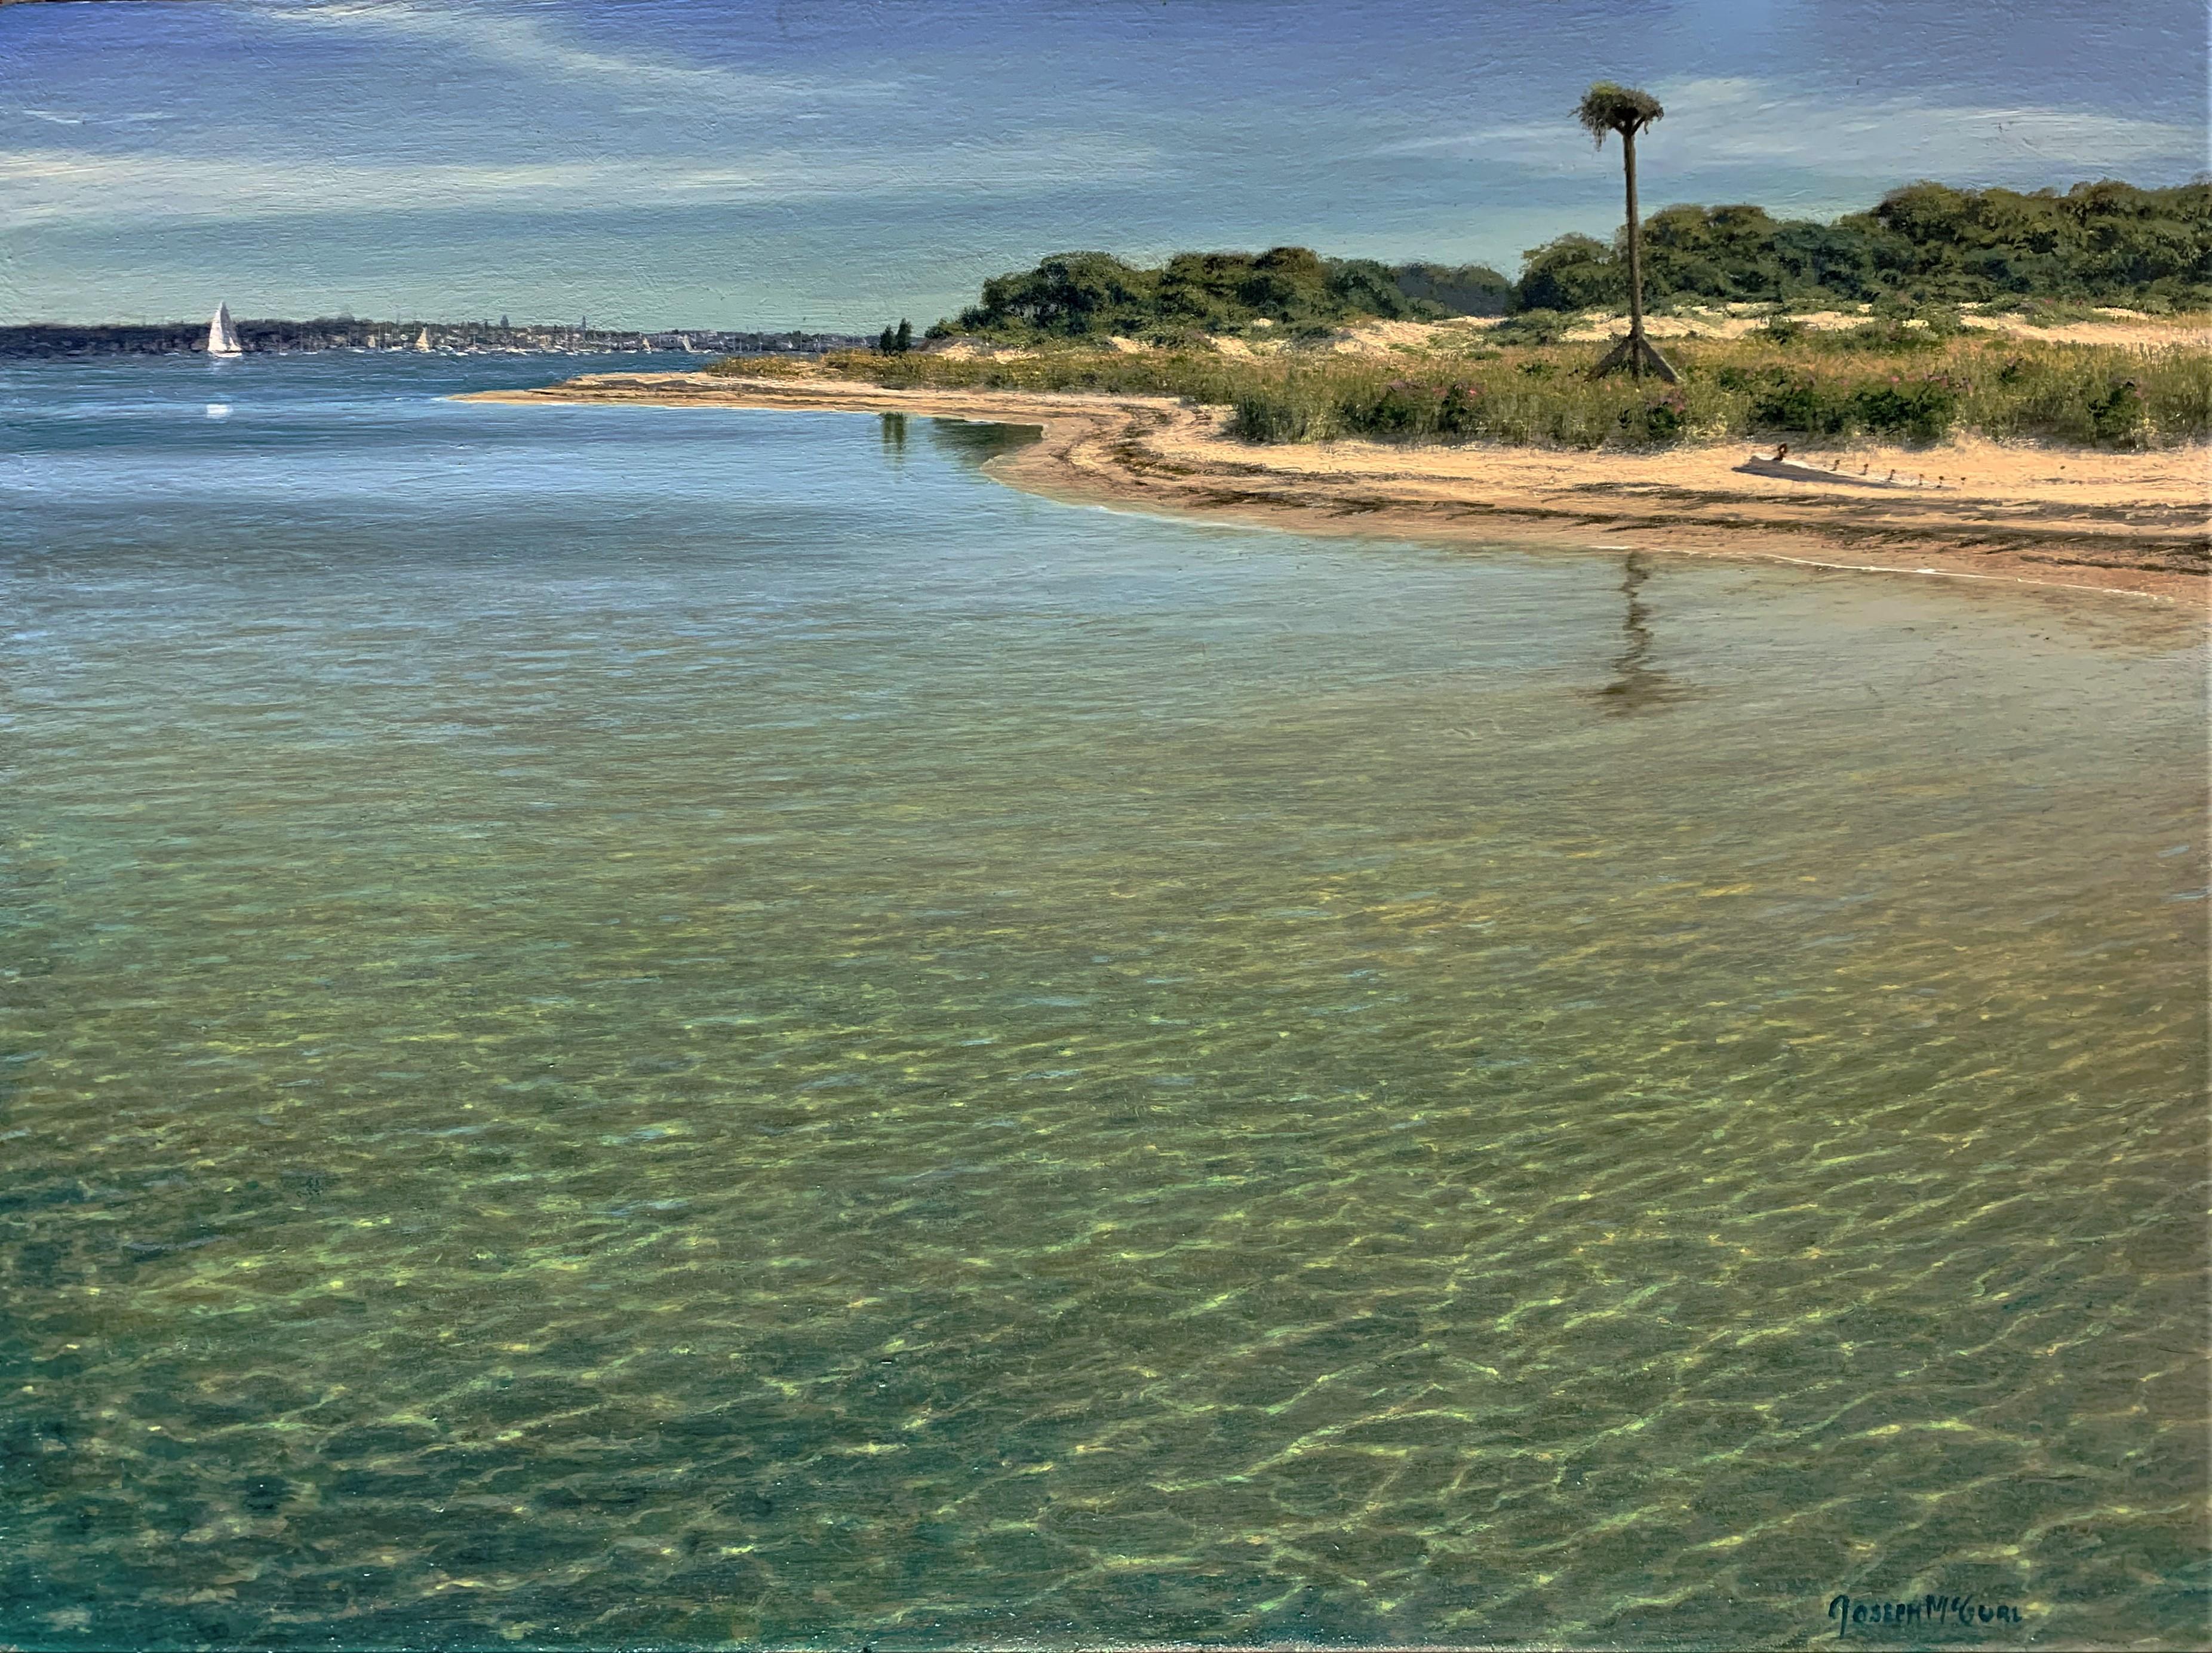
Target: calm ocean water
(644, 1027)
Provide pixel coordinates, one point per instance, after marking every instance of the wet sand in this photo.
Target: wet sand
(2136, 523)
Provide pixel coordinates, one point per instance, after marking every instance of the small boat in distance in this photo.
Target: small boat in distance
(223, 336)
(423, 339)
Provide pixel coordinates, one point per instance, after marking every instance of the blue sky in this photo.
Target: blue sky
(663, 162)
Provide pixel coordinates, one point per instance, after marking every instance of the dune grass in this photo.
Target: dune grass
(1880, 382)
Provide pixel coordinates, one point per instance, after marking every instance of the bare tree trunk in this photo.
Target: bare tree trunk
(1636, 345)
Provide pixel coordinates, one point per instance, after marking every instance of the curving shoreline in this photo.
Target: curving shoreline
(2135, 524)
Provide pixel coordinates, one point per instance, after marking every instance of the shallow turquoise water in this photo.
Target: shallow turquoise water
(629, 1026)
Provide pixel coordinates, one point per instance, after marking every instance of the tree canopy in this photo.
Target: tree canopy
(1088, 294)
(2106, 242)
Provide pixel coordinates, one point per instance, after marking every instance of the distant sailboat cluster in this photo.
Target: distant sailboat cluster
(222, 335)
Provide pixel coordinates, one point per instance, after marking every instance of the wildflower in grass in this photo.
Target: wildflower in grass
(1459, 412)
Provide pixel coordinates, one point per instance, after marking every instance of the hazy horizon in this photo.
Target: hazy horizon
(836, 167)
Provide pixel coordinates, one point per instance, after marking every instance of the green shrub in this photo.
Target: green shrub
(1789, 400)
(1533, 327)
(1915, 410)
(1401, 410)
(1888, 334)
(2056, 312)
(1655, 423)
(1459, 415)
(2120, 414)
(1260, 415)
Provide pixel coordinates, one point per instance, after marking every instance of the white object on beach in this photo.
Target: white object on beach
(222, 338)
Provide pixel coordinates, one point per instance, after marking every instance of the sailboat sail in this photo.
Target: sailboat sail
(222, 335)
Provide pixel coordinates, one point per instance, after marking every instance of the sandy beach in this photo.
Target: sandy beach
(2136, 523)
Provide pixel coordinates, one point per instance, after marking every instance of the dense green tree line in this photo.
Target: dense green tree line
(2107, 243)
(1095, 294)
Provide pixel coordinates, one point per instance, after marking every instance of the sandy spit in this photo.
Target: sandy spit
(2139, 523)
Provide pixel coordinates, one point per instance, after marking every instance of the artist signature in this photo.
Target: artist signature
(1850, 1613)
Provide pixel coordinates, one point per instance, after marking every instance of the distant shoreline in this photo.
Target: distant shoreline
(281, 336)
(2126, 523)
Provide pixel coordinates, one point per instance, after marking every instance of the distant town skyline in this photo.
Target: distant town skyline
(838, 165)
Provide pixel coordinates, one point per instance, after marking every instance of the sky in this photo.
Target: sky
(715, 163)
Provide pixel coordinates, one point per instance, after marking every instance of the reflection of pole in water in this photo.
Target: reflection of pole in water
(895, 435)
(1635, 685)
(1633, 573)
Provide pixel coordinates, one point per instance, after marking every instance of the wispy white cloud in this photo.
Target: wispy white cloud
(81, 117)
(283, 175)
(1736, 122)
(527, 44)
(57, 187)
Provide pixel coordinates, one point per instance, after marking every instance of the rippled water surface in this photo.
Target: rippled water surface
(627, 1026)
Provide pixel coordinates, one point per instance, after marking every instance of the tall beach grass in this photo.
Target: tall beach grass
(1883, 382)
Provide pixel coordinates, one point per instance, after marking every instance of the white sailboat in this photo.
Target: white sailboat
(423, 339)
(223, 336)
